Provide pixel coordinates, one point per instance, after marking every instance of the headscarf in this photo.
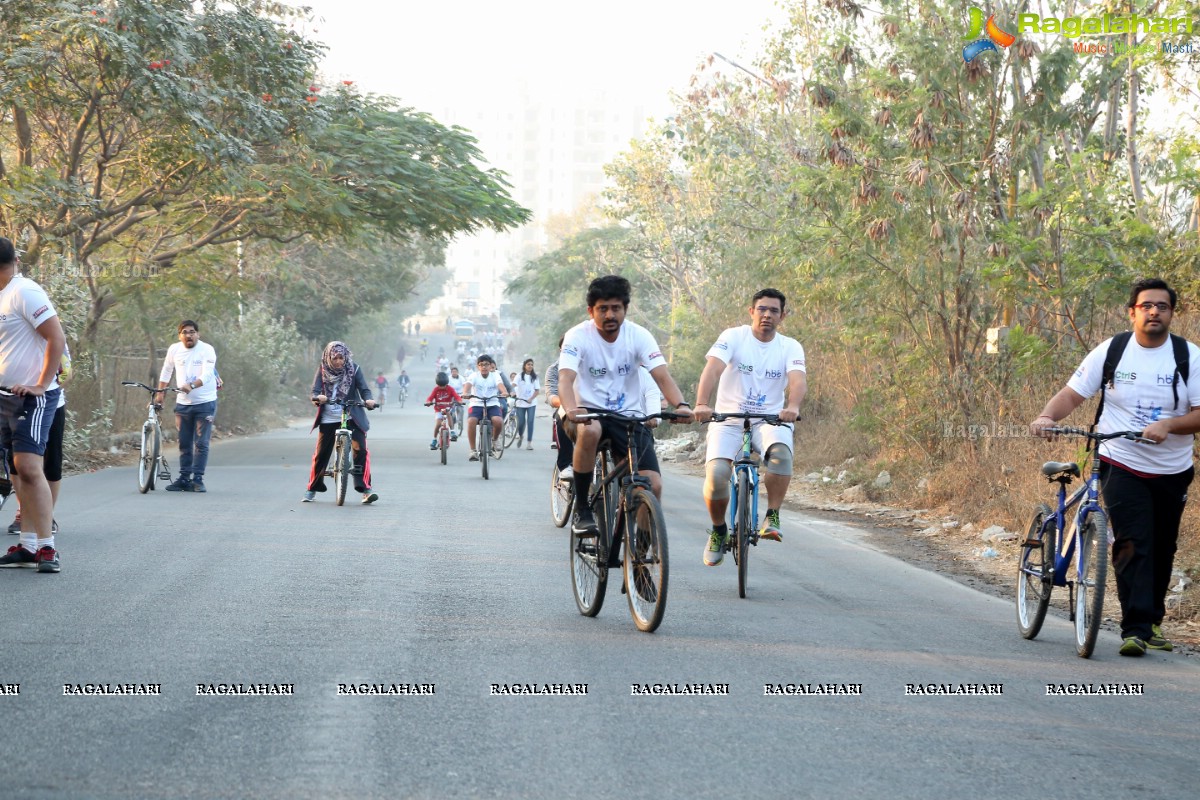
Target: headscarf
(337, 382)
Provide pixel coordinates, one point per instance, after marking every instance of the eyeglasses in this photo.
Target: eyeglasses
(1148, 307)
(187, 333)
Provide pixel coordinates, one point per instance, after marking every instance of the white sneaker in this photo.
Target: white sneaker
(566, 474)
(529, 445)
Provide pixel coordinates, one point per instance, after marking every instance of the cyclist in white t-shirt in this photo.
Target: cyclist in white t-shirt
(753, 368)
(598, 369)
(484, 383)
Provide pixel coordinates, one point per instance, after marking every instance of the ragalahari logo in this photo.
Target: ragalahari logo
(993, 36)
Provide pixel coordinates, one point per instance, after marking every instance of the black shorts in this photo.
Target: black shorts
(613, 432)
(52, 461)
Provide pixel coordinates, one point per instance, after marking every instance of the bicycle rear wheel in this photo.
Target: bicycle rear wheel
(510, 429)
(589, 556)
(1035, 572)
(1089, 591)
(499, 452)
(646, 563)
(341, 468)
(743, 530)
(562, 497)
(485, 445)
(148, 460)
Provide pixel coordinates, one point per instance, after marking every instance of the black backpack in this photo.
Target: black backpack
(1116, 349)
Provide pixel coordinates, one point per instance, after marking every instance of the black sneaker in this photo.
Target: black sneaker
(198, 486)
(18, 556)
(47, 560)
(180, 485)
(585, 524)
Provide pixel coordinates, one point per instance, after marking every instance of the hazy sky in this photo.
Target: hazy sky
(433, 54)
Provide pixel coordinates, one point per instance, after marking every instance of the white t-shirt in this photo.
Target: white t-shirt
(1141, 394)
(23, 307)
(606, 374)
(190, 364)
(484, 387)
(652, 396)
(526, 389)
(756, 373)
(456, 383)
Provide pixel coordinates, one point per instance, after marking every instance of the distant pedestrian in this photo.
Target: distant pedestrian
(194, 364)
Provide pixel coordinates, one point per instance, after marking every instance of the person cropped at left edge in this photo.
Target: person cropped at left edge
(194, 364)
(338, 380)
(31, 348)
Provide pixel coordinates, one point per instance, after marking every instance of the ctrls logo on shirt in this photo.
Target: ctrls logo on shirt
(993, 36)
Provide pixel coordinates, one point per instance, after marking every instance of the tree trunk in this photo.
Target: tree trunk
(1131, 112)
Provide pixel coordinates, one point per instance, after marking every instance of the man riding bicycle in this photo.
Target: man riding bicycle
(598, 370)
(486, 386)
(752, 367)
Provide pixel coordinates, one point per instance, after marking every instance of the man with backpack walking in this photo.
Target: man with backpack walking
(1142, 376)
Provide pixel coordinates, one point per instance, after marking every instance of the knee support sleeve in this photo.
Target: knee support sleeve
(779, 460)
(716, 479)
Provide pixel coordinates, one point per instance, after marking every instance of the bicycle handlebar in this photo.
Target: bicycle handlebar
(669, 416)
(1133, 436)
(770, 419)
(349, 403)
(150, 389)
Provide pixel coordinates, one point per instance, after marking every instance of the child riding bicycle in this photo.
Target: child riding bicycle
(443, 397)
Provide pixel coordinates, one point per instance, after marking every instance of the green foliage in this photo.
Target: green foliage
(253, 358)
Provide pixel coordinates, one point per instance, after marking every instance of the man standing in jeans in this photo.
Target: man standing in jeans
(194, 363)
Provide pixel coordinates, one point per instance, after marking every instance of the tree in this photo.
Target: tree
(135, 133)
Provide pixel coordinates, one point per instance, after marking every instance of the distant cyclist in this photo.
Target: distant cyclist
(381, 384)
(443, 397)
(752, 368)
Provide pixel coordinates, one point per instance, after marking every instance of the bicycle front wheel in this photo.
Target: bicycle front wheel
(458, 422)
(743, 530)
(341, 469)
(562, 497)
(148, 462)
(589, 558)
(485, 445)
(444, 443)
(1035, 572)
(1089, 591)
(646, 564)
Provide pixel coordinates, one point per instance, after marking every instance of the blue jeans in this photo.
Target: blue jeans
(525, 423)
(195, 424)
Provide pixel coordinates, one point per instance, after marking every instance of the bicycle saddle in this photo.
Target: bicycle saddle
(1052, 468)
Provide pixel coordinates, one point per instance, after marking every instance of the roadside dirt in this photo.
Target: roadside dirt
(940, 543)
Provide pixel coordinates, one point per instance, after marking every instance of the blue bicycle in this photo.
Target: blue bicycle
(1050, 556)
(743, 497)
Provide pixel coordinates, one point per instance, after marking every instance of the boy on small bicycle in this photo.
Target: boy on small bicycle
(339, 381)
(442, 398)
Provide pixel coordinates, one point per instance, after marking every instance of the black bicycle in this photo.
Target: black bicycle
(628, 513)
(343, 453)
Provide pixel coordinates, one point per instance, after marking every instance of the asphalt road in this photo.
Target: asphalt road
(460, 583)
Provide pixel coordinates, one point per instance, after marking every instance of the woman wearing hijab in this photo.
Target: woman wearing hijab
(339, 379)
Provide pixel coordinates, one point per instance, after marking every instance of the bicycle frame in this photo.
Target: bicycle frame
(1064, 546)
(749, 467)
